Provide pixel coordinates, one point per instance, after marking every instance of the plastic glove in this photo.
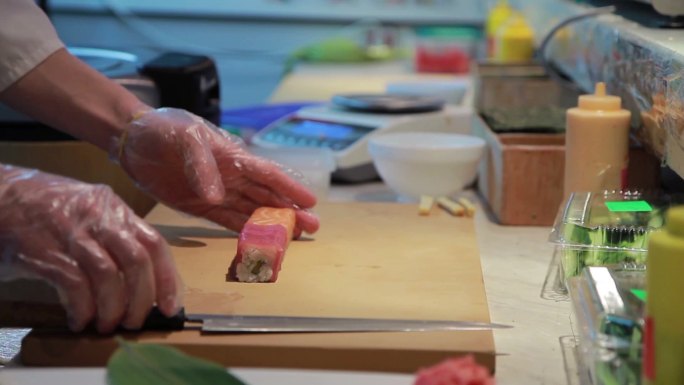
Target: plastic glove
(106, 263)
(189, 164)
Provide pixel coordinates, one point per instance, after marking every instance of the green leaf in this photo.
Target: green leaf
(150, 364)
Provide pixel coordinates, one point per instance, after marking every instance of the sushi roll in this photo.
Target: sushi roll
(262, 245)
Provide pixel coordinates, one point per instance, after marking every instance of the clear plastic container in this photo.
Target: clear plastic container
(608, 228)
(609, 314)
(445, 49)
(314, 164)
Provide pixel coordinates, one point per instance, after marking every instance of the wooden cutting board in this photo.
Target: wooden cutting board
(368, 260)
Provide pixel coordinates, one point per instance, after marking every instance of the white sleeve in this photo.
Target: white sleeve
(26, 39)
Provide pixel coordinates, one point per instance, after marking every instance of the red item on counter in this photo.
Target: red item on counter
(649, 356)
(444, 60)
(262, 244)
(455, 371)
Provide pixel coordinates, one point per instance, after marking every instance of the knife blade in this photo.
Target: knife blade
(19, 314)
(282, 324)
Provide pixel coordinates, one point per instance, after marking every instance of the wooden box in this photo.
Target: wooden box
(519, 85)
(521, 175)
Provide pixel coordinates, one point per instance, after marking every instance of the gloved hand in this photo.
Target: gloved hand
(189, 164)
(105, 262)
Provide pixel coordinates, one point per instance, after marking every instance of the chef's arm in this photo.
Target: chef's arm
(40, 78)
(67, 94)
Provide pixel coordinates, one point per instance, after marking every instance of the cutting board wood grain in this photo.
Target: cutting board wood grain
(378, 260)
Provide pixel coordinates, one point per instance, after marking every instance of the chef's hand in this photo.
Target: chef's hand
(106, 263)
(189, 164)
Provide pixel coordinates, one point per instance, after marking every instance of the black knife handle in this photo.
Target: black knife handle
(52, 316)
(156, 320)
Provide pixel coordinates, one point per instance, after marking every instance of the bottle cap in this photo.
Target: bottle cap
(497, 16)
(599, 100)
(674, 224)
(516, 27)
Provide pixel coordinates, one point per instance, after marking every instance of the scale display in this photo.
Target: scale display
(316, 133)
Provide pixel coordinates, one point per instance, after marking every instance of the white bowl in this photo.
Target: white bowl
(426, 163)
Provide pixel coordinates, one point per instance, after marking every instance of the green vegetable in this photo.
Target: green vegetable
(576, 234)
(571, 262)
(150, 364)
(257, 266)
(618, 372)
(603, 245)
(635, 346)
(340, 49)
(336, 49)
(605, 375)
(657, 219)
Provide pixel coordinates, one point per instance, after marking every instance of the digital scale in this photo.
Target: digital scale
(345, 126)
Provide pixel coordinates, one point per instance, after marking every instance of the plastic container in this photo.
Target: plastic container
(313, 165)
(597, 143)
(609, 314)
(608, 228)
(445, 49)
(664, 333)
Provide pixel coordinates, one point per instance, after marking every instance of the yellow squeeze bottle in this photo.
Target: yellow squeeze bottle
(495, 18)
(663, 354)
(514, 40)
(596, 143)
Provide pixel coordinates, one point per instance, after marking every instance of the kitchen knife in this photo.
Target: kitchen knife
(30, 315)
